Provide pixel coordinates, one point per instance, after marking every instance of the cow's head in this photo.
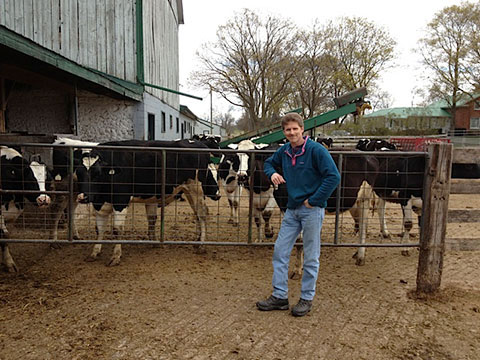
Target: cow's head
(228, 168)
(327, 142)
(19, 174)
(362, 144)
(93, 173)
(210, 184)
(61, 156)
(244, 167)
(44, 180)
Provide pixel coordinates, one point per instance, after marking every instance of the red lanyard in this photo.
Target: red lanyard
(294, 156)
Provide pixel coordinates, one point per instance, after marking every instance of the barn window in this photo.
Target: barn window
(477, 105)
(151, 127)
(163, 122)
(171, 122)
(178, 125)
(475, 123)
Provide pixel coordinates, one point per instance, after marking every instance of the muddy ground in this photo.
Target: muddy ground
(169, 302)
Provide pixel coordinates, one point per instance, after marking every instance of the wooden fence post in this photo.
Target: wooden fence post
(435, 203)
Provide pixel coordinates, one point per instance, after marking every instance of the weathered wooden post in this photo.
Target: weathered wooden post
(435, 203)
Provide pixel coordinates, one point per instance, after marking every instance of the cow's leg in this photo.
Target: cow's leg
(267, 214)
(258, 224)
(407, 226)
(73, 222)
(194, 195)
(381, 206)
(297, 270)
(57, 209)
(119, 219)
(236, 205)
(151, 210)
(56, 212)
(363, 204)
(231, 205)
(355, 212)
(7, 259)
(101, 227)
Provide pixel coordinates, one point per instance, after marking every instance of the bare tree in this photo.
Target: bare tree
(359, 51)
(251, 64)
(445, 51)
(226, 120)
(313, 82)
(473, 38)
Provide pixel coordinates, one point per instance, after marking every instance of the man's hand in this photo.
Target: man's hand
(307, 204)
(277, 179)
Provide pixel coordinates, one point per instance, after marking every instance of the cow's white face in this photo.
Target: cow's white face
(89, 161)
(213, 170)
(40, 173)
(244, 158)
(417, 204)
(243, 168)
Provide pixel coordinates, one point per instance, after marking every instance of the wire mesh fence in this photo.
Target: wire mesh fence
(139, 195)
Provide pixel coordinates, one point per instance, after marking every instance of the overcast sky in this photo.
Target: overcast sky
(405, 21)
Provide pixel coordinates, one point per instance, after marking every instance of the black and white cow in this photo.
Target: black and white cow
(112, 179)
(227, 173)
(61, 180)
(210, 140)
(325, 141)
(374, 145)
(400, 181)
(234, 171)
(17, 174)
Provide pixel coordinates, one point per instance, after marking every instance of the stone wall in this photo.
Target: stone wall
(101, 118)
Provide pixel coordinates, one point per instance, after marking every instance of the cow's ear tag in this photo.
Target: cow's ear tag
(111, 172)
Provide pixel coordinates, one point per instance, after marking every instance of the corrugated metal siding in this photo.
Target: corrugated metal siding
(96, 33)
(160, 29)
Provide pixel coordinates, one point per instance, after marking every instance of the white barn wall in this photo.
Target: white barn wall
(151, 105)
(96, 33)
(160, 39)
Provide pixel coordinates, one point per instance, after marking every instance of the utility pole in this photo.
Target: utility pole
(211, 112)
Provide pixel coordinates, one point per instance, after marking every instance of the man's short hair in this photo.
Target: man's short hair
(292, 117)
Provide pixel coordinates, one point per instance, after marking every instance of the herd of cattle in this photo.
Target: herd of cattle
(111, 176)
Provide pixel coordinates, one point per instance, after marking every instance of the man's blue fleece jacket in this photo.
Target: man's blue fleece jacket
(312, 175)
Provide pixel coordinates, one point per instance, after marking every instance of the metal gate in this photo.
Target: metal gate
(177, 221)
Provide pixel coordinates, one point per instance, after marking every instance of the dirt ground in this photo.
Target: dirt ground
(168, 302)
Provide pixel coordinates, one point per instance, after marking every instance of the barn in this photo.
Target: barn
(95, 70)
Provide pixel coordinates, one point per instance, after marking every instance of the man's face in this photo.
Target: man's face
(293, 132)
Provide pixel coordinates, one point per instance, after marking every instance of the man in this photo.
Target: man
(311, 176)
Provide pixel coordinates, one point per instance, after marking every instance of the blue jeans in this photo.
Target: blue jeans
(294, 221)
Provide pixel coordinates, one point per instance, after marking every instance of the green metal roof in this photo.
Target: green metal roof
(407, 112)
